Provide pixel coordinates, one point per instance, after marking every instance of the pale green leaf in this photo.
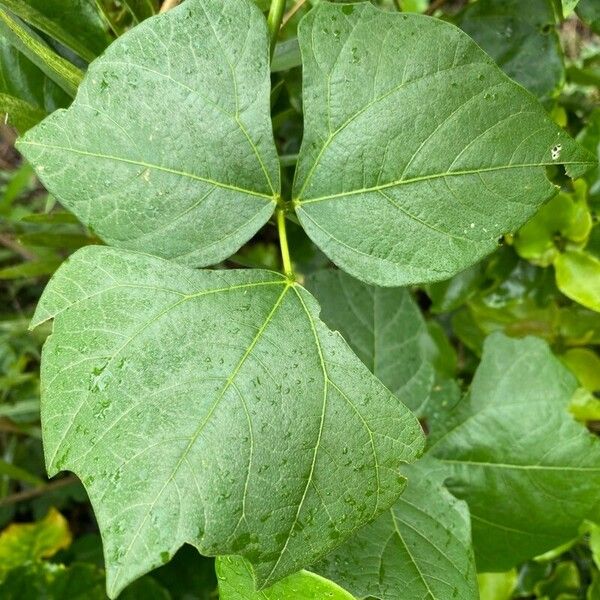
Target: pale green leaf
(212, 407)
(74, 23)
(578, 277)
(585, 363)
(569, 7)
(189, 170)
(418, 152)
(528, 471)
(236, 583)
(420, 548)
(384, 327)
(524, 43)
(497, 586)
(25, 40)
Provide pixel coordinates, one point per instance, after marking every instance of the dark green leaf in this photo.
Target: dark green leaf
(524, 42)
(384, 327)
(74, 23)
(528, 471)
(188, 454)
(420, 549)
(418, 153)
(25, 40)
(191, 184)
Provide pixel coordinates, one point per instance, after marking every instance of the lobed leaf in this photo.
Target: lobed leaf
(189, 170)
(418, 152)
(214, 408)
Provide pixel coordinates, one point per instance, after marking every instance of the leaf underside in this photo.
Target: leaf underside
(190, 170)
(418, 152)
(215, 408)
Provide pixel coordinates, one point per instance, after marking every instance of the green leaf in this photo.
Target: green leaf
(34, 268)
(251, 386)
(578, 277)
(589, 12)
(418, 152)
(524, 43)
(385, 329)
(21, 114)
(21, 80)
(564, 221)
(497, 586)
(585, 364)
(236, 583)
(192, 184)
(74, 23)
(529, 473)
(569, 7)
(50, 581)
(25, 40)
(141, 9)
(14, 472)
(420, 548)
(24, 542)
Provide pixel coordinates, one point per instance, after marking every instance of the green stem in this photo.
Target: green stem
(283, 242)
(274, 20)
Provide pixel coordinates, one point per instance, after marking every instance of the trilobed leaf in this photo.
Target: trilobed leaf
(419, 153)
(168, 147)
(212, 407)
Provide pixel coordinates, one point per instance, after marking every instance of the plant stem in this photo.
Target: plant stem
(168, 5)
(274, 20)
(283, 243)
(35, 492)
(288, 16)
(435, 5)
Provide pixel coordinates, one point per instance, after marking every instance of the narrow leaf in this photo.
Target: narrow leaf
(236, 583)
(190, 170)
(22, 80)
(141, 9)
(231, 443)
(418, 152)
(73, 23)
(61, 71)
(528, 471)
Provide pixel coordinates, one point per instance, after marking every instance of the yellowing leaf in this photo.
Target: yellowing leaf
(23, 543)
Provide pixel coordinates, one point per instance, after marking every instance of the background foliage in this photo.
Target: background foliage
(543, 280)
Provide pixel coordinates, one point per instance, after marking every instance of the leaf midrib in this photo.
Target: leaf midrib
(433, 176)
(139, 163)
